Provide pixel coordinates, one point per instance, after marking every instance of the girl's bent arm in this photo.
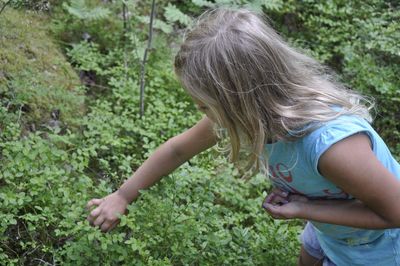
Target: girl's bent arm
(353, 166)
(168, 157)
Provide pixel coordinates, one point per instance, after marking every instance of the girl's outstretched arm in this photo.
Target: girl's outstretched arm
(170, 156)
(353, 167)
(163, 161)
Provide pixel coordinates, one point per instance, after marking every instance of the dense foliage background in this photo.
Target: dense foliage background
(70, 128)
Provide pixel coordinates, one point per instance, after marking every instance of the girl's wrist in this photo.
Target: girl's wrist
(125, 197)
(302, 210)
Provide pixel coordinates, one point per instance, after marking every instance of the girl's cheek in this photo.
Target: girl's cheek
(209, 115)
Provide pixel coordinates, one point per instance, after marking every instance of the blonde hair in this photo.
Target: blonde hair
(255, 85)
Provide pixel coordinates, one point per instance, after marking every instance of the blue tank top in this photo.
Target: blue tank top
(293, 166)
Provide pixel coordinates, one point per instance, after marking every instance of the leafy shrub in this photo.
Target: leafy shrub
(48, 177)
(42, 184)
(202, 214)
(191, 217)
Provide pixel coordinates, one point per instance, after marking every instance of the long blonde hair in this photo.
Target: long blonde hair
(255, 85)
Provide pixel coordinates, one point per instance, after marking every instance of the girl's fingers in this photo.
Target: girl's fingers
(269, 198)
(279, 200)
(105, 227)
(95, 212)
(108, 226)
(93, 202)
(99, 221)
(272, 210)
(113, 225)
(97, 216)
(295, 197)
(93, 215)
(274, 198)
(280, 192)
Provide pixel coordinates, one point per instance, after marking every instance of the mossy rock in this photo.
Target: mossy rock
(36, 81)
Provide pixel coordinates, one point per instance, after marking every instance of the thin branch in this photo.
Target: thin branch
(42, 261)
(143, 68)
(4, 6)
(124, 14)
(125, 32)
(16, 254)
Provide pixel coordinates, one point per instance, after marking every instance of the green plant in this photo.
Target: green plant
(79, 9)
(202, 214)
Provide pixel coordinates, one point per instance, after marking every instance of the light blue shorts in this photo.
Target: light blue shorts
(310, 243)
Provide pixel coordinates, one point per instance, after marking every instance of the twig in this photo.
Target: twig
(143, 68)
(42, 261)
(19, 113)
(16, 254)
(4, 6)
(124, 14)
(125, 32)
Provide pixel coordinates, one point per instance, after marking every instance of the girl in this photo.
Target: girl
(307, 131)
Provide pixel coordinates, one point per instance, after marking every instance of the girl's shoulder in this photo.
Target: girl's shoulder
(339, 128)
(326, 134)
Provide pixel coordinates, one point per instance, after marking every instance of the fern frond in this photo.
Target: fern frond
(79, 9)
(203, 3)
(273, 5)
(158, 24)
(173, 14)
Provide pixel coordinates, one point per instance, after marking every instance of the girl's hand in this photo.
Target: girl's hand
(105, 215)
(280, 205)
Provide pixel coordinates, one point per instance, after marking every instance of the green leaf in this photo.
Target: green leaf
(79, 9)
(173, 14)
